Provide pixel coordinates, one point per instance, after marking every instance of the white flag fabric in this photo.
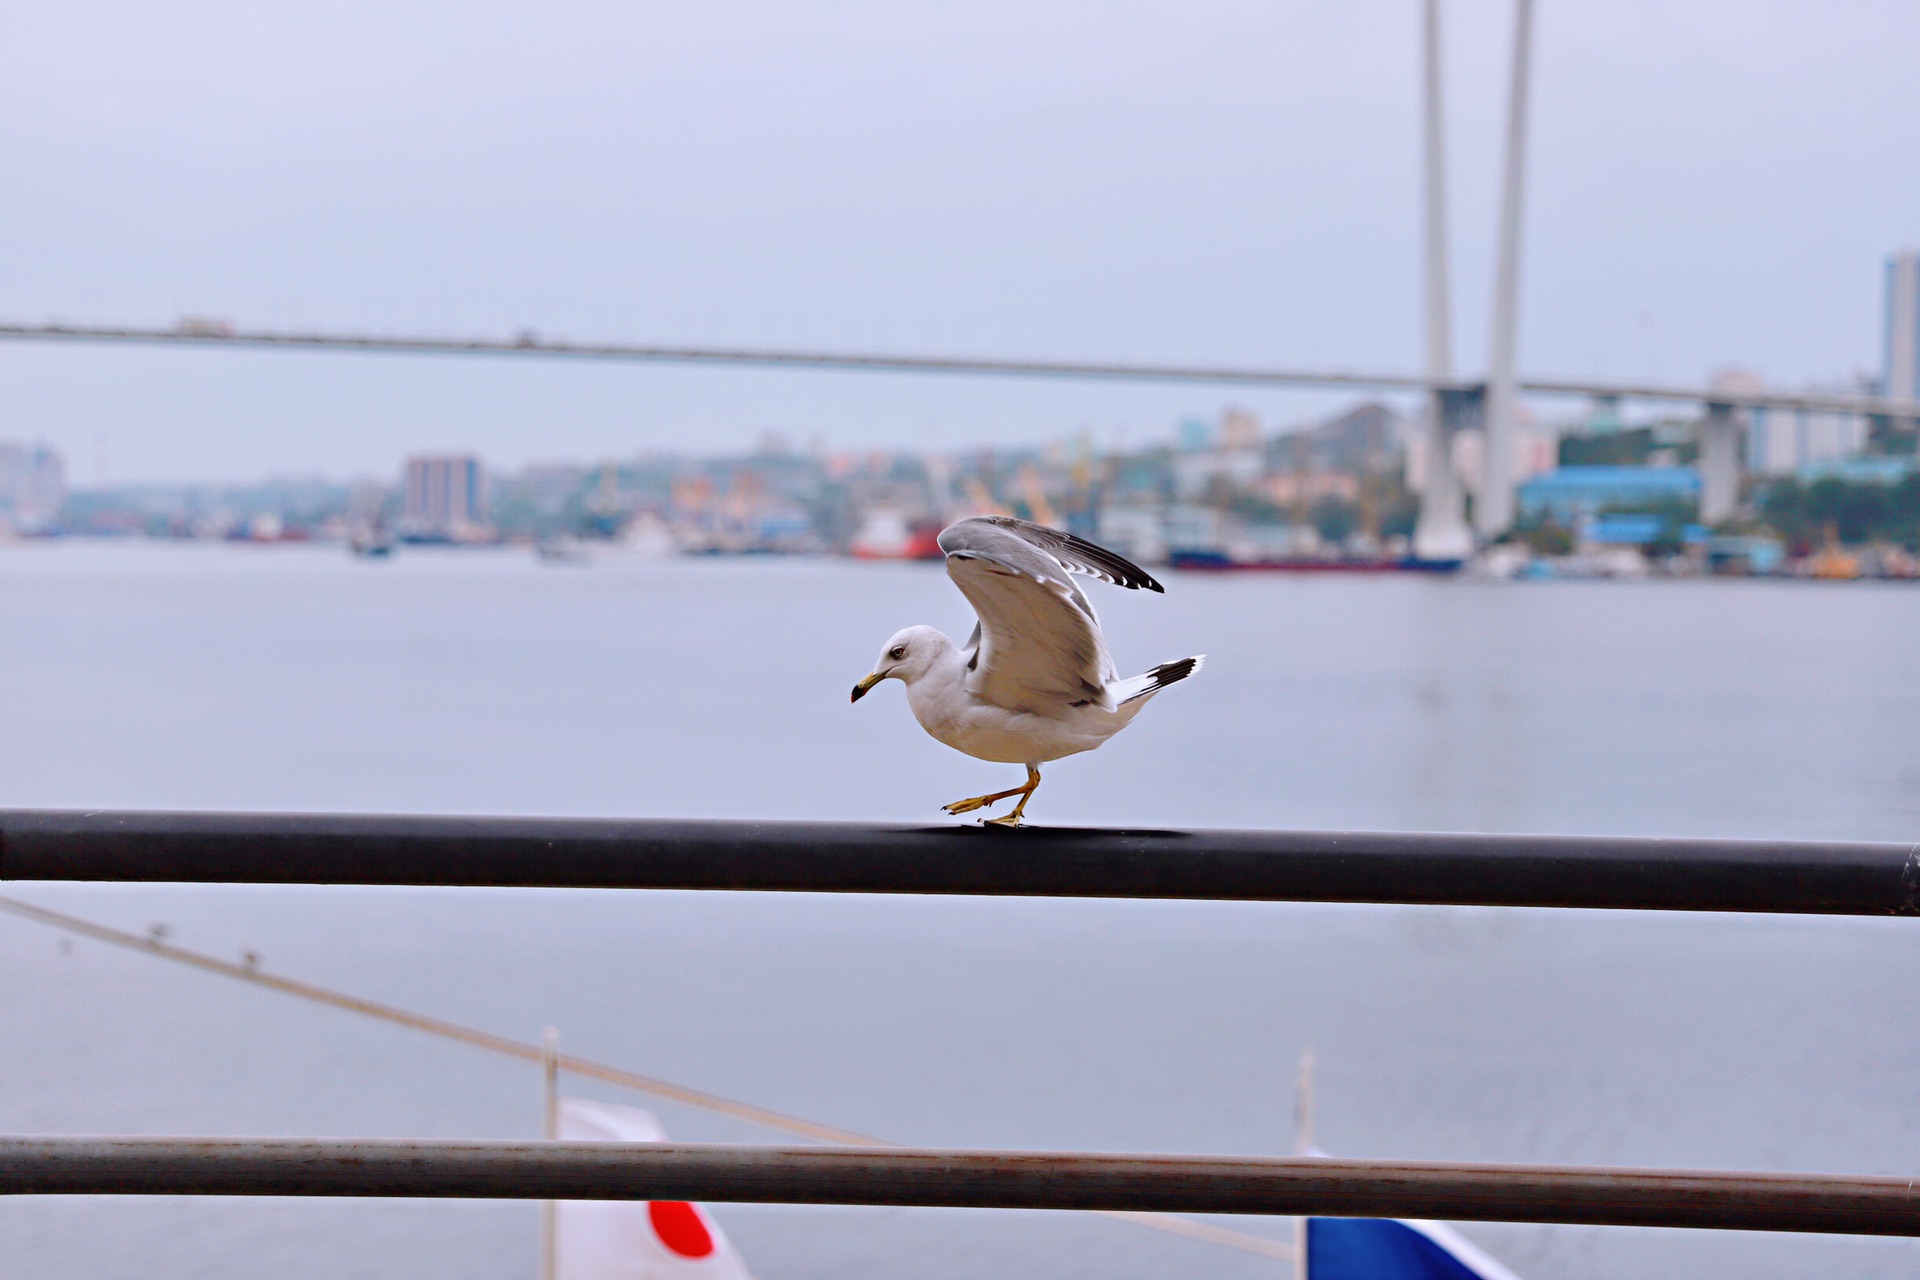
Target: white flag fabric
(633, 1240)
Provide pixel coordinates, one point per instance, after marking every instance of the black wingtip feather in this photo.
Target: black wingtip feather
(1173, 672)
(1076, 553)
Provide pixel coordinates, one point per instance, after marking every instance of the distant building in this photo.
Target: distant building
(33, 485)
(1536, 450)
(1195, 475)
(1783, 441)
(1572, 494)
(1284, 488)
(1624, 529)
(1138, 533)
(1239, 429)
(444, 497)
(1207, 459)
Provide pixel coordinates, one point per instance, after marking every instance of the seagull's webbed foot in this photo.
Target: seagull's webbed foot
(1006, 819)
(959, 807)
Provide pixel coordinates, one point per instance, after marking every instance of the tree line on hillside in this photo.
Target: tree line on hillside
(1801, 512)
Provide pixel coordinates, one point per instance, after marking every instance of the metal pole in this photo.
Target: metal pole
(1832, 878)
(960, 1179)
(1303, 1106)
(1302, 1147)
(1493, 510)
(550, 1130)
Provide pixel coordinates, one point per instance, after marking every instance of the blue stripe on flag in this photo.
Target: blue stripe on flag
(1381, 1249)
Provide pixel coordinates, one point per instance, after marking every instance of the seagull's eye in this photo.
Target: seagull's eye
(898, 652)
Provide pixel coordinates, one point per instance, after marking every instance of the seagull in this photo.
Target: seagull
(1034, 682)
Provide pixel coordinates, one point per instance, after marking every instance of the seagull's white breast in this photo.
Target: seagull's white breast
(949, 713)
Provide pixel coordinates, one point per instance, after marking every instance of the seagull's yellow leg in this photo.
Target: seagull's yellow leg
(981, 802)
(1013, 819)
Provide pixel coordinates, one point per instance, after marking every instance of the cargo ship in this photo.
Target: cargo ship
(1216, 561)
(887, 534)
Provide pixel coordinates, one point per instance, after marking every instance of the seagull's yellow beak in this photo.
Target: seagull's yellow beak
(860, 690)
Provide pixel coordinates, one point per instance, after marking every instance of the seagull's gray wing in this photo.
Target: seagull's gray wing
(1038, 646)
(1077, 555)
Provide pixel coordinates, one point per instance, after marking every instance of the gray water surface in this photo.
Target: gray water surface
(241, 677)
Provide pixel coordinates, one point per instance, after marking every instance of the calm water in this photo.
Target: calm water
(216, 677)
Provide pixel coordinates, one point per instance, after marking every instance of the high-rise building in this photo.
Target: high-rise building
(1239, 429)
(33, 485)
(1901, 372)
(1196, 435)
(444, 496)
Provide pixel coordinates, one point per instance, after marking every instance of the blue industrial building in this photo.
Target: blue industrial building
(1569, 495)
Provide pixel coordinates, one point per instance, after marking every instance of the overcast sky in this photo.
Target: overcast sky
(1712, 182)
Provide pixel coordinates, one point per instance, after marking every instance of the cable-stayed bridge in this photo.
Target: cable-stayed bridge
(1460, 403)
(532, 345)
(1454, 403)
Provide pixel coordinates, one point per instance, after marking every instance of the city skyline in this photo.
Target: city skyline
(779, 494)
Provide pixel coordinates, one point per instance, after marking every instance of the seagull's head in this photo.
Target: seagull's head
(906, 657)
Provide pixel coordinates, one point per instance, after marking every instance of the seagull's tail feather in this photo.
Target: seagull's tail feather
(1125, 691)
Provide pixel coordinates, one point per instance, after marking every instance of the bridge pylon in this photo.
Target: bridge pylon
(1441, 532)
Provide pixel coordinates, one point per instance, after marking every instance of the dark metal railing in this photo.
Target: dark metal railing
(1832, 878)
(1537, 871)
(960, 1179)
